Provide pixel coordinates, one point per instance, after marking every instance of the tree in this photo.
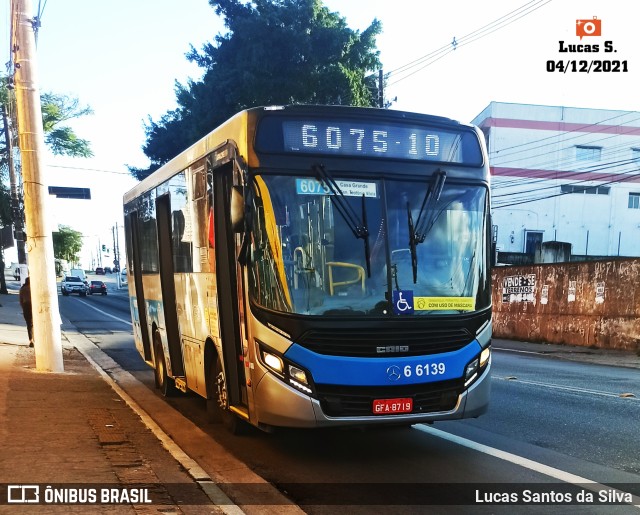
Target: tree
(56, 109)
(5, 221)
(62, 140)
(67, 244)
(275, 52)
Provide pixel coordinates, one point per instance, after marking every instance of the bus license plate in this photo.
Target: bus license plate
(392, 406)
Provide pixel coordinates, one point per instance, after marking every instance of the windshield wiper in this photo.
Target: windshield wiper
(358, 228)
(426, 218)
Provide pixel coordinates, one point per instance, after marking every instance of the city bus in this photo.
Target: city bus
(318, 266)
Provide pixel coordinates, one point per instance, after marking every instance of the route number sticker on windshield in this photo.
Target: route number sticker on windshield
(348, 188)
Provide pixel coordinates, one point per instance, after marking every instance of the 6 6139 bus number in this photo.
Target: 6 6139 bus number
(428, 369)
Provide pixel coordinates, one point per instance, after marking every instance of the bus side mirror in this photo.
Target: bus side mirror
(237, 209)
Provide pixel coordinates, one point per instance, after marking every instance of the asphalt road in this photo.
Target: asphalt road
(551, 422)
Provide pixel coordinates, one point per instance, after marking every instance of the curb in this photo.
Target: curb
(231, 471)
(213, 492)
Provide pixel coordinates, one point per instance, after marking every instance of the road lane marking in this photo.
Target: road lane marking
(553, 472)
(575, 389)
(105, 313)
(520, 351)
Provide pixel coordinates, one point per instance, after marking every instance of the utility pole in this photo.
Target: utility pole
(16, 212)
(116, 254)
(44, 292)
(380, 89)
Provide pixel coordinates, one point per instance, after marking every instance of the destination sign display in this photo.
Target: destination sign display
(390, 140)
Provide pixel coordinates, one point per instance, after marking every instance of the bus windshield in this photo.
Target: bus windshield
(307, 259)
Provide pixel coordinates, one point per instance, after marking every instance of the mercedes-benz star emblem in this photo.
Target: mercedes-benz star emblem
(393, 373)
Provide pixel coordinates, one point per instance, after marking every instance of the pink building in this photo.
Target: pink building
(564, 174)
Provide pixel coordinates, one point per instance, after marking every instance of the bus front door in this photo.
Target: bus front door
(133, 244)
(165, 254)
(227, 286)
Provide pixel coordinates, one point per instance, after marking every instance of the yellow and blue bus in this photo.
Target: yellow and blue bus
(317, 266)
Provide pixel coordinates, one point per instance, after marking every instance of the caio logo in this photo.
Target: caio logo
(589, 27)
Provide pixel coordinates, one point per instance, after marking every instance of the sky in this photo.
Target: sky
(123, 57)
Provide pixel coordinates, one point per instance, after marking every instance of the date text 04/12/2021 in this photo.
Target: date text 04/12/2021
(587, 66)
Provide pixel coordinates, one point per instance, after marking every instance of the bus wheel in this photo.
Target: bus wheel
(214, 410)
(220, 401)
(162, 380)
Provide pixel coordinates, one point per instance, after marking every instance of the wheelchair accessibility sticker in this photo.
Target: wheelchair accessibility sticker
(403, 302)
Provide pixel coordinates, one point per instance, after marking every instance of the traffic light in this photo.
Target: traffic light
(104, 248)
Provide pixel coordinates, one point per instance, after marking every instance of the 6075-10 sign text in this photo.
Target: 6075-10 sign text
(333, 138)
(347, 138)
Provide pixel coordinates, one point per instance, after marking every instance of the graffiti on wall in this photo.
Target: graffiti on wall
(595, 303)
(519, 288)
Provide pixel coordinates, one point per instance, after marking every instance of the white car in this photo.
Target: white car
(73, 284)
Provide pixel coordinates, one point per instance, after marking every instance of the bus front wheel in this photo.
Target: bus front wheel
(162, 380)
(218, 400)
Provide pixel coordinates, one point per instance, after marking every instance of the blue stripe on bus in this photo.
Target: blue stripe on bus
(382, 371)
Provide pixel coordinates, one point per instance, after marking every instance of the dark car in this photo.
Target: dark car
(97, 287)
(99, 271)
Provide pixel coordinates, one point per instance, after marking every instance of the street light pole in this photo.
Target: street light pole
(44, 292)
(114, 231)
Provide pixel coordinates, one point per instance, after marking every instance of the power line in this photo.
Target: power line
(576, 136)
(455, 43)
(560, 164)
(577, 129)
(604, 166)
(439, 53)
(536, 199)
(88, 169)
(558, 173)
(551, 174)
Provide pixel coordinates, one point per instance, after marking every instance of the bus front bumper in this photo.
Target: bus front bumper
(278, 404)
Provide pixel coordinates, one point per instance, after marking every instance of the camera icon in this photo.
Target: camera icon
(589, 27)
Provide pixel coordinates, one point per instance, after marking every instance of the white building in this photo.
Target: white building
(564, 174)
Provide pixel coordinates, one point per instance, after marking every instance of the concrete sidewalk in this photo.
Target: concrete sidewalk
(73, 429)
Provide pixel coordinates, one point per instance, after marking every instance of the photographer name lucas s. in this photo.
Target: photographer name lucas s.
(583, 48)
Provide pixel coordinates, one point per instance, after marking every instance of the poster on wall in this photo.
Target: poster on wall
(519, 288)
(544, 294)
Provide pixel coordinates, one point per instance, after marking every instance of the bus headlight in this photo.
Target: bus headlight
(471, 372)
(484, 356)
(298, 375)
(273, 362)
(284, 370)
(475, 367)
(298, 379)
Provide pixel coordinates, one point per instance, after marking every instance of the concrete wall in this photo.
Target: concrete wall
(589, 304)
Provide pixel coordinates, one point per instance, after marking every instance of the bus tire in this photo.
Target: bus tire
(162, 380)
(220, 401)
(214, 410)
